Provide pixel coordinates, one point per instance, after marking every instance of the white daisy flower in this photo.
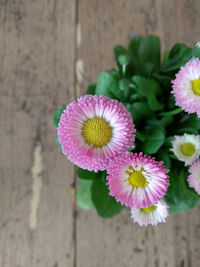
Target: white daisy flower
(186, 148)
(152, 215)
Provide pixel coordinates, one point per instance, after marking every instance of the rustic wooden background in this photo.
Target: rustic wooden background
(43, 46)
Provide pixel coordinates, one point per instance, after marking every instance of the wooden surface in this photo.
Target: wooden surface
(43, 45)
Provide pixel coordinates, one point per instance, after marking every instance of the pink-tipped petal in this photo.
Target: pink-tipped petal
(71, 138)
(182, 87)
(155, 174)
(194, 177)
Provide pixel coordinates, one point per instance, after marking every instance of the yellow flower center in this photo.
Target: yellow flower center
(136, 178)
(188, 149)
(96, 132)
(196, 87)
(149, 209)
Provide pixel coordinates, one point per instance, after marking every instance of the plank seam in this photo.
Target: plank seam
(75, 95)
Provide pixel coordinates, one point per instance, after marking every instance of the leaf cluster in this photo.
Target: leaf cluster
(93, 192)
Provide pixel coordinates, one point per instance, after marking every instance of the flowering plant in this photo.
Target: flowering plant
(135, 134)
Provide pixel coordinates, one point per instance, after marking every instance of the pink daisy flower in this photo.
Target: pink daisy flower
(186, 87)
(152, 215)
(194, 177)
(94, 130)
(137, 181)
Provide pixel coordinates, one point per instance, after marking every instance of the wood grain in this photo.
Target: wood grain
(118, 242)
(43, 47)
(37, 61)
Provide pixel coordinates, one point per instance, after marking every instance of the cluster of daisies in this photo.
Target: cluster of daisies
(186, 90)
(96, 133)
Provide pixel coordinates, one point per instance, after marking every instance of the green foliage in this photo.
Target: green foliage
(150, 89)
(196, 50)
(142, 82)
(123, 59)
(91, 89)
(93, 193)
(107, 85)
(124, 84)
(83, 195)
(179, 196)
(105, 205)
(177, 57)
(56, 116)
(140, 111)
(163, 155)
(57, 142)
(134, 45)
(155, 137)
(55, 119)
(171, 113)
(86, 175)
(149, 51)
(119, 51)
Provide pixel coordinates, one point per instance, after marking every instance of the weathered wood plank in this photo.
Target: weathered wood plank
(118, 242)
(37, 55)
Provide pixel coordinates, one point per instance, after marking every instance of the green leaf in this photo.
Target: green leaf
(152, 123)
(165, 121)
(140, 136)
(178, 56)
(154, 139)
(163, 79)
(134, 97)
(154, 103)
(171, 103)
(91, 89)
(178, 51)
(136, 63)
(150, 89)
(115, 73)
(171, 113)
(147, 69)
(163, 156)
(135, 44)
(149, 50)
(187, 130)
(190, 121)
(57, 142)
(56, 116)
(165, 57)
(87, 175)
(124, 84)
(106, 205)
(104, 82)
(124, 59)
(137, 80)
(140, 111)
(168, 141)
(196, 50)
(119, 50)
(107, 85)
(83, 195)
(179, 196)
(103, 175)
